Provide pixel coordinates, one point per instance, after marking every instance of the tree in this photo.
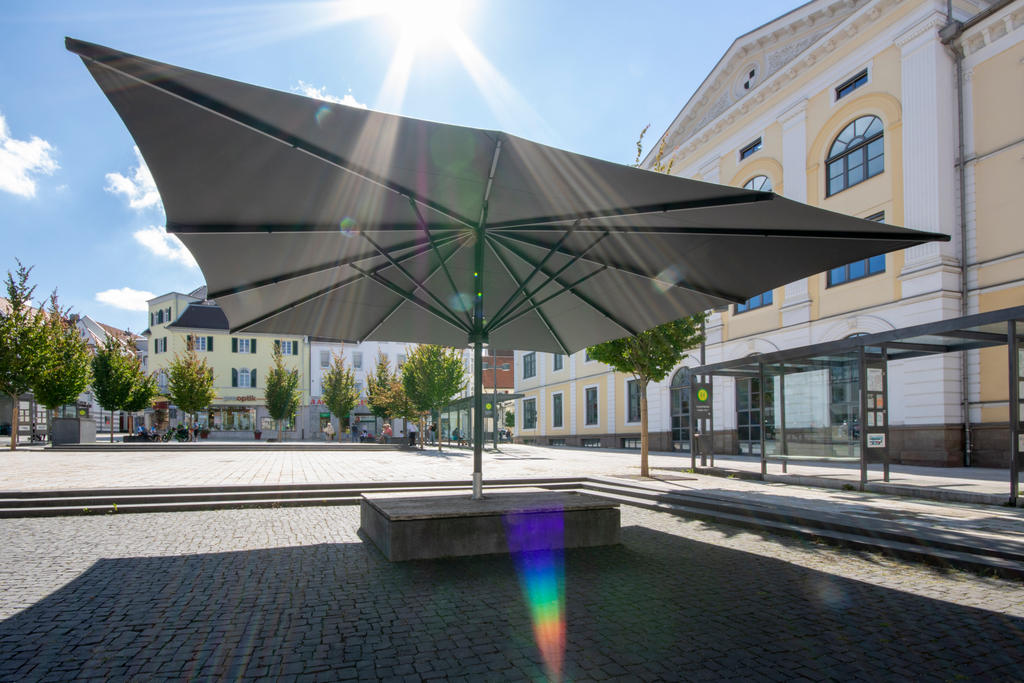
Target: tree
(432, 376)
(118, 380)
(66, 371)
(649, 356)
(399, 404)
(282, 392)
(190, 381)
(22, 342)
(379, 392)
(339, 390)
(510, 419)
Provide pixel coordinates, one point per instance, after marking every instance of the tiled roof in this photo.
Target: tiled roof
(202, 317)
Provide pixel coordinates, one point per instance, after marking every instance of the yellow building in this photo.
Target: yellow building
(240, 365)
(884, 109)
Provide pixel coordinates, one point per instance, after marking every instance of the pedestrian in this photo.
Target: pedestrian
(329, 431)
(387, 433)
(432, 433)
(355, 433)
(412, 433)
(365, 435)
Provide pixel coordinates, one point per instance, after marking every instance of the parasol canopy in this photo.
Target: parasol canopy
(313, 218)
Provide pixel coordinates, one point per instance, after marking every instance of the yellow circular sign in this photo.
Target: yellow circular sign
(702, 395)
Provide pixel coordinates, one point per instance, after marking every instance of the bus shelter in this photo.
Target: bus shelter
(830, 401)
(459, 415)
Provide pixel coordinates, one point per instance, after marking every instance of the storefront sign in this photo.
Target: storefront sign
(241, 398)
(876, 440)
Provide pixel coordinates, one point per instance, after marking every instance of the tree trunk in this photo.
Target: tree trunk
(111, 424)
(644, 441)
(14, 421)
(280, 429)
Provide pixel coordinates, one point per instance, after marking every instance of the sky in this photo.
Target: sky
(78, 204)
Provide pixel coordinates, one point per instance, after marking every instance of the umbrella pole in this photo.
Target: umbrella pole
(478, 419)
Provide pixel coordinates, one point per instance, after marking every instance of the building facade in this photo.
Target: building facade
(240, 364)
(883, 109)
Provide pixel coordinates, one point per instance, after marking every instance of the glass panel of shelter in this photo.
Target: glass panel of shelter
(679, 401)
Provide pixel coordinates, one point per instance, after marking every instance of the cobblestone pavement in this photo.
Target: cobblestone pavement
(295, 594)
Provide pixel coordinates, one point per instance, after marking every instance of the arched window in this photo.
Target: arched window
(761, 183)
(856, 155)
(243, 377)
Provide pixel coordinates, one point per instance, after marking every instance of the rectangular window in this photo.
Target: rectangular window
(288, 347)
(852, 84)
(590, 443)
(199, 343)
(530, 365)
(586, 356)
(558, 361)
(556, 442)
(861, 269)
(506, 366)
(556, 410)
(159, 316)
(325, 359)
(590, 418)
(357, 360)
(243, 345)
(400, 360)
(633, 401)
(759, 301)
(750, 149)
(631, 443)
(529, 413)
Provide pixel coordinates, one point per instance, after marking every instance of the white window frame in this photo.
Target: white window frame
(199, 342)
(639, 417)
(562, 414)
(536, 414)
(357, 360)
(325, 358)
(597, 392)
(244, 346)
(243, 377)
(286, 347)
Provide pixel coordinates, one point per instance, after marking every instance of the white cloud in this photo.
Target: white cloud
(309, 90)
(127, 298)
(156, 239)
(20, 160)
(139, 188)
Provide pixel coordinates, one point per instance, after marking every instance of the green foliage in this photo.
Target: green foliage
(66, 372)
(379, 390)
(339, 390)
(510, 419)
(22, 342)
(282, 391)
(651, 355)
(431, 377)
(190, 381)
(118, 380)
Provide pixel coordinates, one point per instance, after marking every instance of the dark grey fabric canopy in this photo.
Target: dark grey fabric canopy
(319, 219)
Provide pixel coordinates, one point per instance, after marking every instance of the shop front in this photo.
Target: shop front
(236, 418)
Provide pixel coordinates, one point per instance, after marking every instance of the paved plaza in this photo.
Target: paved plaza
(296, 594)
(299, 594)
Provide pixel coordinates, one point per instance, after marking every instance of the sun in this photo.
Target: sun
(426, 23)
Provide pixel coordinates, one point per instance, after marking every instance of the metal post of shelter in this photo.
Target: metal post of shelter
(478, 367)
(863, 401)
(1015, 416)
(782, 412)
(693, 421)
(760, 385)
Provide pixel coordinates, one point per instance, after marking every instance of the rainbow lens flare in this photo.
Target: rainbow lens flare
(536, 540)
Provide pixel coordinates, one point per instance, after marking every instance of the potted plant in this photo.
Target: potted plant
(204, 433)
(258, 434)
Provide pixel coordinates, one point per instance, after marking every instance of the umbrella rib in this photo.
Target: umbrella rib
(540, 313)
(437, 313)
(235, 228)
(583, 297)
(496, 320)
(536, 268)
(419, 285)
(682, 284)
(623, 212)
(442, 261)
(512, 317)
(395, 308)
(178, 90)
(256, 284)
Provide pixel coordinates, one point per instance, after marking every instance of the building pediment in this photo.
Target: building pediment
(754, 58)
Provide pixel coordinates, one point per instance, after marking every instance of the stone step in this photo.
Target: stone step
(252, 446)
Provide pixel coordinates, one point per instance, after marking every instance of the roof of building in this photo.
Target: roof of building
(202, 317)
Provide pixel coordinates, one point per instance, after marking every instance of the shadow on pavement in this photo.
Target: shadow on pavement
(658, 607)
